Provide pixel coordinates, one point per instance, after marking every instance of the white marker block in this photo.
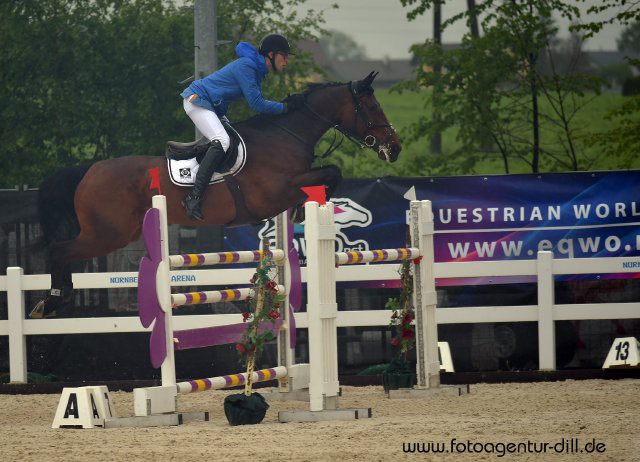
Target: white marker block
(82, 407)
(624, 352)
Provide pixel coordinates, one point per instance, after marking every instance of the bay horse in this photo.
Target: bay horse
(90, 211)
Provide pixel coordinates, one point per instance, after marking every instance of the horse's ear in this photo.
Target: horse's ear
(364, 85)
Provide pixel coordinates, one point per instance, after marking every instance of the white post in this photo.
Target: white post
(163, 289)
(17, 338)
(322, 308)
(285, 352)
(546, 326)
(424, 296)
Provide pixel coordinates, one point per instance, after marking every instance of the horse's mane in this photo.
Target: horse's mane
(311, 87)
(258, 119)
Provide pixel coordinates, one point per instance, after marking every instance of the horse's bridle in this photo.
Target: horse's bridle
(363, 115)
(368, 141)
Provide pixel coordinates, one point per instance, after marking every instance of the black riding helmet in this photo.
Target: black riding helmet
(276, 43)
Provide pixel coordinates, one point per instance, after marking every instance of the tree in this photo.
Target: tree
(493, 86)
(623, 142)
(609, 12)
(83, 81)
(341, 47)
(630, 38)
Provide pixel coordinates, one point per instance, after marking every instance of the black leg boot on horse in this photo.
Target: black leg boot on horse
(212, 160)
(57, 301)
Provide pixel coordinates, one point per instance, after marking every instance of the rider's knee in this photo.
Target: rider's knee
(223, 140)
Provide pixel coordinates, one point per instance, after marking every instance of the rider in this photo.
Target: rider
(206, 100)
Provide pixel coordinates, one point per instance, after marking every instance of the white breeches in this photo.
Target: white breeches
(207, 122)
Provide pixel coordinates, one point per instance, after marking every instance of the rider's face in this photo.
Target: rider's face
(281, 61)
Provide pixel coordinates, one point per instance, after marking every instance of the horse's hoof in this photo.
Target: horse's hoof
(40, 311)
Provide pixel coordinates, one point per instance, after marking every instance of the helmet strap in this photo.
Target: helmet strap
(272, 61)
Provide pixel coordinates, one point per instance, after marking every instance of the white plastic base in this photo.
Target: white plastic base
(154, 400)
(160, 420)
(320, 416)
(416, 393)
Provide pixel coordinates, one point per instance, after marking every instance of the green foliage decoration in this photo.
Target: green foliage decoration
(403, 313)
(263, 306)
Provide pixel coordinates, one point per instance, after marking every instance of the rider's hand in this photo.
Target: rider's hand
(293, 102)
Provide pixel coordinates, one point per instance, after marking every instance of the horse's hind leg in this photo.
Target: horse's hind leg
(61, 255)
(61, 292)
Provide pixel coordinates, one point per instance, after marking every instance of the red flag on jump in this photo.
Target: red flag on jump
(316, 194)
(155, 179)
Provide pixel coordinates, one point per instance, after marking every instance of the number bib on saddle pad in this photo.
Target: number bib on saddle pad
(183, 172)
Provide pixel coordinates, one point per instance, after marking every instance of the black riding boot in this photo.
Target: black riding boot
(211, 161)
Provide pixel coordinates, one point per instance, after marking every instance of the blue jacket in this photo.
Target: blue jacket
(240, 78)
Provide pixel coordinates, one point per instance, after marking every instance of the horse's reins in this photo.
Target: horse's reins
(368, 141)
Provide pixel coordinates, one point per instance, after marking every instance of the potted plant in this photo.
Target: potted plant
(250, 407)
(400, 373)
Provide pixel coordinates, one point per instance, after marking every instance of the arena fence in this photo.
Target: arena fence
(543, 269)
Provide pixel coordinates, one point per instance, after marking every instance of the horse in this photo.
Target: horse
(92, 210)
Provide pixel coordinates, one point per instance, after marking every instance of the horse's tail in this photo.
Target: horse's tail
(56, 210)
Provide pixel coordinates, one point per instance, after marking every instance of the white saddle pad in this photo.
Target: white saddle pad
(183, 172)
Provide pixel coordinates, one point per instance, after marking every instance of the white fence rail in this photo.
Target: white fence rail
(544, 269)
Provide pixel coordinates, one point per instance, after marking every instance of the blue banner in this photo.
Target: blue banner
(485, 218)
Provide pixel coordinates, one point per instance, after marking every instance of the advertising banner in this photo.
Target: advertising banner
(487, 218)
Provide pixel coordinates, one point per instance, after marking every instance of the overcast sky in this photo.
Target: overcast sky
(381, 27)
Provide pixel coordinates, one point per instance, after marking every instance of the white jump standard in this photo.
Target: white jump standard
(153, 404)
(321, 282)
(154, 275)
(322, 309)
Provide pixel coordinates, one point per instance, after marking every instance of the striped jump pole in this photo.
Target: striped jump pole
(214, 296)
(372, 256)
(232, 380)
(223, 258)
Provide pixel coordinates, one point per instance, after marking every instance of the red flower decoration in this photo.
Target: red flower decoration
(407, 318)
(272, 286)
(240, 347)
(416, 261)
(245, 316)
(395, 341)
(273, 314)
(408, 334)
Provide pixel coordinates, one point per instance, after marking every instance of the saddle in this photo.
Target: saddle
(198, 148)
(183, 162)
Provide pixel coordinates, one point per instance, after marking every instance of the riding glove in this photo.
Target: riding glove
(293, 102)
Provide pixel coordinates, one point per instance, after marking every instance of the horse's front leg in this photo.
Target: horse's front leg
(330, 176)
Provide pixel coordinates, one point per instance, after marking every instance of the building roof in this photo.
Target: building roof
(391, 70)
(601, 59)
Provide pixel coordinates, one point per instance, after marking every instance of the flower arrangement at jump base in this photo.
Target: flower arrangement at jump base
(250, 407)
(400, 373)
